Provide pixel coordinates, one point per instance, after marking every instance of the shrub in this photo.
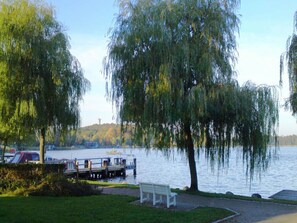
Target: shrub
(41, 180)
(59, 185)
(16, 176)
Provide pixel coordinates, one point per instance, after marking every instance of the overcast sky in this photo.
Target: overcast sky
(265, 27)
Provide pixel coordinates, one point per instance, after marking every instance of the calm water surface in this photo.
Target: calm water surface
(154, 166)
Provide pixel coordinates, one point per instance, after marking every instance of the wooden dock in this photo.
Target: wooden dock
(98, 168)
(290, 195)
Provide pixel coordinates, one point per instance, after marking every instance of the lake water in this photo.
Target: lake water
(154, 166)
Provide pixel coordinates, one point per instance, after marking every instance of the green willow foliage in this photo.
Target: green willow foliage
(41, 82)
(244, 116)
(291, 57)
(170, 74)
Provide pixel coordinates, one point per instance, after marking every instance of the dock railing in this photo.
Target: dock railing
(102, 167)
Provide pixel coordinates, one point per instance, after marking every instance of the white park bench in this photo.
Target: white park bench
(157, 191)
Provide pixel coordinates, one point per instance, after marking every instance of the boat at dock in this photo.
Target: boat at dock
(31, 157)
(114, 152)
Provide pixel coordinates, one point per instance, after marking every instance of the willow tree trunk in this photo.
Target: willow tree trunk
(3, 151)
(2, 155)
(191, 157)
(42, 145)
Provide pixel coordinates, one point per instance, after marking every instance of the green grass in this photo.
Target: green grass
(111, 184)
(102, 208)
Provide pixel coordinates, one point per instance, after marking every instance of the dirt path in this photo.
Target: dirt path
(248, 211)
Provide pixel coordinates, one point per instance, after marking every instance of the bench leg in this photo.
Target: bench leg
(144, 197)
(169, 203)
(154, 199)
(141, 198)
(157, 199)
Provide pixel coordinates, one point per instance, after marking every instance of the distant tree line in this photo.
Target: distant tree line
(110, 135)
(107, 135)
(290, 140)
(104, 135)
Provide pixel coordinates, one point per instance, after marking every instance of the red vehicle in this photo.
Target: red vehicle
(24, 157)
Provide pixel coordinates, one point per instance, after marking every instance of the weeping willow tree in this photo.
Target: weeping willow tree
(291, 58)
(41, 82)
(170, 73)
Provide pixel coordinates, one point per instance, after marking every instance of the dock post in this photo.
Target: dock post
(116, 161)
(90, 169)
(105, 165)
(77, 168)
(123, 163)
(134, 170)
(86, 163)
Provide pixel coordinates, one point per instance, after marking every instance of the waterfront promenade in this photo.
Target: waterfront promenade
(246, 211)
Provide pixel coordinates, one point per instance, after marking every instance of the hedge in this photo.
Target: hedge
(15, 176)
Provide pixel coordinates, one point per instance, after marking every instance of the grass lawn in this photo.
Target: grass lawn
(102, 208)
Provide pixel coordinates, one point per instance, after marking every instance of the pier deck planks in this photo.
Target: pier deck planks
(97, 170)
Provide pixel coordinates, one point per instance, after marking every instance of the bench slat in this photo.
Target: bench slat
(162, 189)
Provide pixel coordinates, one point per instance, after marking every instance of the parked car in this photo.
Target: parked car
(32, 157)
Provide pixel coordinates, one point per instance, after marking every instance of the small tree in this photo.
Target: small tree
(41, 79)
(11, 119)
(170, 65)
